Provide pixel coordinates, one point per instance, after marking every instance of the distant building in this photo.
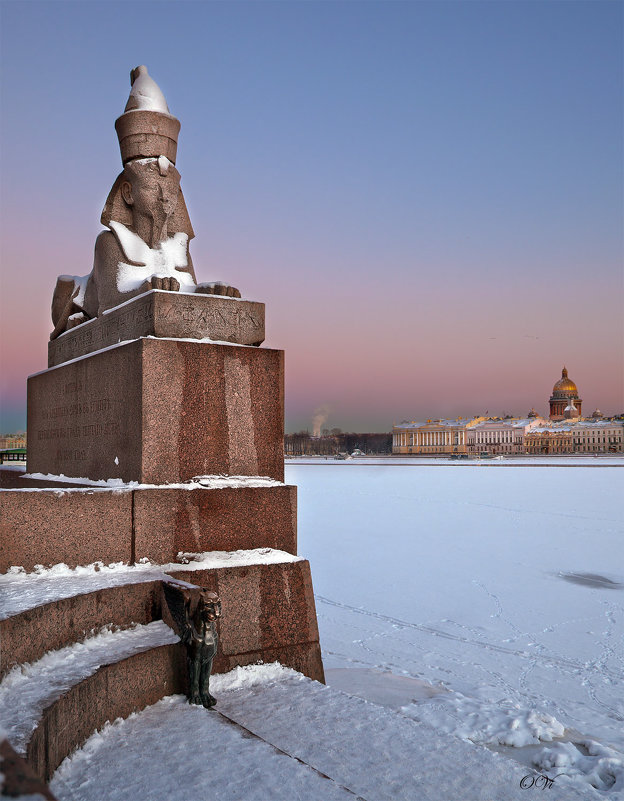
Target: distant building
(549, 438)
(564, 395)
(564, 432)
(500, 437)
(11, 441)
(577, 436)
(598, 436)
(432, 437)
(508, 437)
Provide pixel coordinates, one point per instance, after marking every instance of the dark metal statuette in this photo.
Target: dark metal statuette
(195, 613)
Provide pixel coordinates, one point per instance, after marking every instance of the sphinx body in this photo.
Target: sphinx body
(146, 245)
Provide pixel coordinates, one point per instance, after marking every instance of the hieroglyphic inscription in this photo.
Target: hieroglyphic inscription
(164, 314)
(231, 320)
(127, 322)
(76, 421)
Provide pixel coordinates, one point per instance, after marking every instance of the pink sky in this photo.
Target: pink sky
(435, 230)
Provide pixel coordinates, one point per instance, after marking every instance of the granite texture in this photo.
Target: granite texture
(27, 636)
(304, 657)
(16, 479)
(114, 691)
(147, 134)
(77, 527)
(159, 412)
(268, 613)
(17, 778)
(164, 314)
(167, 521)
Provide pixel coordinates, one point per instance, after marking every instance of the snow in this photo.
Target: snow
(215, 559)
(599, 766)
(160, 764)
(27, 690)
(80, 282)
(20, 591)
(191, 294)
(467, 577)
(125, 342)
(79, 358)
(163, 165)
(501, 723)
(198, 482)
(292, 739)
(206, 339)
(161, 261)
(145, 94)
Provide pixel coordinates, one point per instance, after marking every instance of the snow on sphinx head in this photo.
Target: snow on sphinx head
(146, 129)
(145, 94)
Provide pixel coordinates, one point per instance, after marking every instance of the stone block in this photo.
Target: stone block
(27, 636)
(305, 658)
(114, 691)
(77, 527)
(164, 314)
(159, 411)
(268, 614)
(81, 526)
(167, 521)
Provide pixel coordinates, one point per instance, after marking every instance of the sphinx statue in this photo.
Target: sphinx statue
(194, 613)
(146, 244)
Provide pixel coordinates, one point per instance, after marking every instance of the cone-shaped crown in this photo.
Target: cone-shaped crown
(146, 129)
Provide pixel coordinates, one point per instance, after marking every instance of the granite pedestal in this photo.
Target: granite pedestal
(159, 411)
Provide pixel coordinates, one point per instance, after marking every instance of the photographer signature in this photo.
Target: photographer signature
(540, 782)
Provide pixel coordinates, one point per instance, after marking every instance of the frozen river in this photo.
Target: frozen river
(502, 583)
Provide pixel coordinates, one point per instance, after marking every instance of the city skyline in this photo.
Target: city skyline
(427, 197)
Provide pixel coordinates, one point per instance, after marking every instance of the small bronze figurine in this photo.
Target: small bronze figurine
(195, 613)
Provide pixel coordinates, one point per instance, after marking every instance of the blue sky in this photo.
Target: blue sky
(427, 195)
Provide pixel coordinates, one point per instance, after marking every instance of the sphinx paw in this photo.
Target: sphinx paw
(218, 288)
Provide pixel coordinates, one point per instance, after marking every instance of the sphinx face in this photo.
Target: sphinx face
(152, 193)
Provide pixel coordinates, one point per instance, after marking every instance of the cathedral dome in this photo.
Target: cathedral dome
(565, 387)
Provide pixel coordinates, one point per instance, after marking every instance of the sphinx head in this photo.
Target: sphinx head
(150, 189)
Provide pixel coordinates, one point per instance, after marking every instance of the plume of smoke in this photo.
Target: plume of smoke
(319, 418)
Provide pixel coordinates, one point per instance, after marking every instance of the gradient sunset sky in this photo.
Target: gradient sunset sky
(428, 196)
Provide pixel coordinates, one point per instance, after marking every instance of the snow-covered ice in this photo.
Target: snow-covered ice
(461, 576)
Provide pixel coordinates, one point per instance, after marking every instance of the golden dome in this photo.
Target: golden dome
(565, 386)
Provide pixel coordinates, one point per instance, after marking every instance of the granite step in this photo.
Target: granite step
(268, 606)
(51, 706)
(62, 681)
(48, 614)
